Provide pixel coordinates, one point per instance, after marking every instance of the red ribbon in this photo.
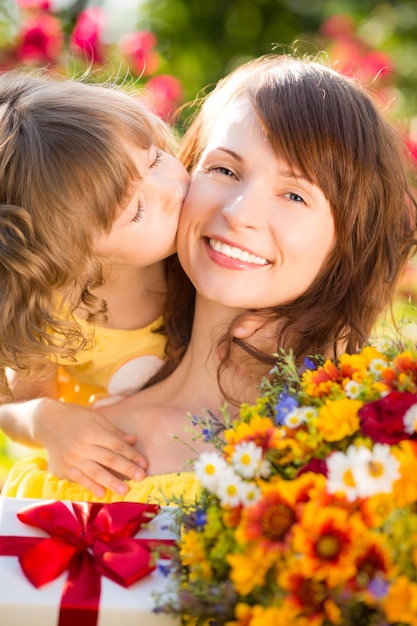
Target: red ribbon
(98, 541)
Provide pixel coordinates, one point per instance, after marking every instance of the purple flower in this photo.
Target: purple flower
(285, 405)
(309, 364)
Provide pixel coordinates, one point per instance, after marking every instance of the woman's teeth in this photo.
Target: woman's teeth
(236, 253)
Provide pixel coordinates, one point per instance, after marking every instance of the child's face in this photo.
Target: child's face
(252, 234)
(145, 231)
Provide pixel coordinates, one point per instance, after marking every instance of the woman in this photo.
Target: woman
(300, 215)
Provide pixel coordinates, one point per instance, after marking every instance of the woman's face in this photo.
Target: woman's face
(252, 233)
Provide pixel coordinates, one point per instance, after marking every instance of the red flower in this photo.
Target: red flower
(86, 36)
(318, 466)
(382, 420)
(138, 48)
(34, 4)
(376, 63)
(165, 93)
(412, 148)
(41, 40)
(338, 26)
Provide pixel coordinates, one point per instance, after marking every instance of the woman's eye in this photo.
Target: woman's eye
(158, 158)
(294, 197)
(222, 170)
(139, 213)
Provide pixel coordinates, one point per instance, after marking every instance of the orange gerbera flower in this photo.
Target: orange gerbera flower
(308, 597)
(269, 520)
(328, 539)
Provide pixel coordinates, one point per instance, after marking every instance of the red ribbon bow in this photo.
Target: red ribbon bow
(98, 541)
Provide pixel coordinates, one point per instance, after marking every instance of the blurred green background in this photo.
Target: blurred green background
(174, 50)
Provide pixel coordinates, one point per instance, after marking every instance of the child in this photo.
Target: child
(90, 197)
(300, 214)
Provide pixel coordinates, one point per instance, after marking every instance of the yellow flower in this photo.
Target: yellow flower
(400, 603)
(261, 430)
(192, 553)
(405, 488)
(249, 568)
(359, 362)
(243, 614)
(377, 508)
(338, 419)
(273, 616)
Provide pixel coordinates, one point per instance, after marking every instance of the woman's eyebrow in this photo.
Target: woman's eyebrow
(232, 153)
(294, 175)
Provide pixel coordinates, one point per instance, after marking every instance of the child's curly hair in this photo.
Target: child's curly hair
(65, 171)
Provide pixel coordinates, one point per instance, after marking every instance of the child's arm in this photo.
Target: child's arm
(83, 446)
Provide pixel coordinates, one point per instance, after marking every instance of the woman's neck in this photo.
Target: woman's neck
(193, 386)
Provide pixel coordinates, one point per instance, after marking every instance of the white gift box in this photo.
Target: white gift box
(22, 604)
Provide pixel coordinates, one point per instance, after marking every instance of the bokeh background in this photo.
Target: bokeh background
(175, 50)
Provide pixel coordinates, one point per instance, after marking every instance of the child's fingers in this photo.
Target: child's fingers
(96, 478)
(124, 450)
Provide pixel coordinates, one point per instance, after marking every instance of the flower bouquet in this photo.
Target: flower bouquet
(308, 514)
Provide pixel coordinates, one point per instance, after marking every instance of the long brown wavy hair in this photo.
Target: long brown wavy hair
(329, 128)
(65, 171)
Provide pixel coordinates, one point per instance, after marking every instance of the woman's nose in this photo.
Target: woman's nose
(245, 209)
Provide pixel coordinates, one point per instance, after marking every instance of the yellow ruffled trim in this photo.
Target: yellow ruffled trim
(29, 478)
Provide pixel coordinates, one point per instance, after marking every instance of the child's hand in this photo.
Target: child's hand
(86, 448)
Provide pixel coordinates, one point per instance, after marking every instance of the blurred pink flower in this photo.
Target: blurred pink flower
(86, 36)
(352, 55)
(41, 40)
(412, 149)
(138, 50)
(338, 26)
(165, 93)
(376, 63)
(353, 58)
(34, 4)
(346, 55)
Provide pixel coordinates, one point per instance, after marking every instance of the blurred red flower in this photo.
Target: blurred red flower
(383, 421)
(44, 5)
(165, 93)
(87, 33)
(412, 149)
(138, 48)
(352, 54)
(41, 40)
(338, 26)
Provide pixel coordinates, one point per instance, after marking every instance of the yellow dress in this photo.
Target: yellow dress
(120, 362)
(29, 478)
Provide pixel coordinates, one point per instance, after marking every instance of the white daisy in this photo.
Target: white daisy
(208, 468)
(250, 493)
(352, 389)
(265, 469)
(340, 477)
(230, 488)
(299, 416)
(377, 366)
(410, 420)
(247, 458)
(377, 470)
